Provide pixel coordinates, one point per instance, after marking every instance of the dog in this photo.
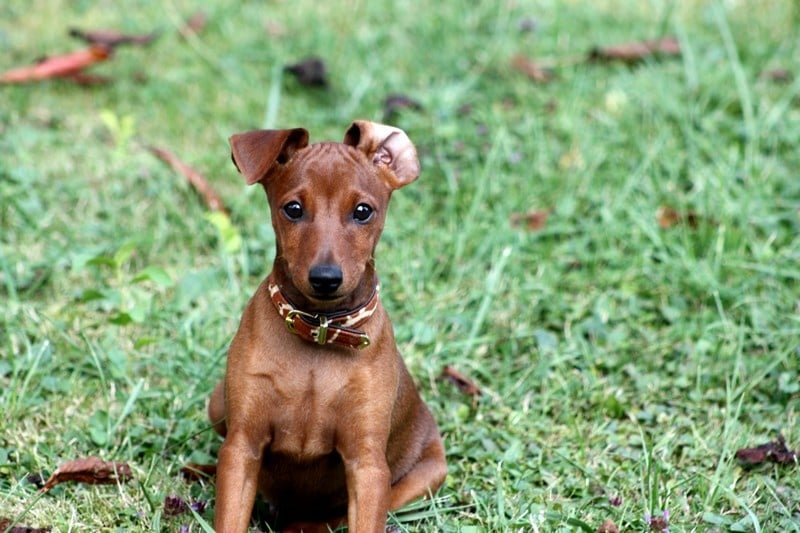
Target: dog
(317, 408)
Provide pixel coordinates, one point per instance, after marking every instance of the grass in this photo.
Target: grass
(622, 364)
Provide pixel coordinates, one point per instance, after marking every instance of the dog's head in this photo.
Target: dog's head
(328, 203)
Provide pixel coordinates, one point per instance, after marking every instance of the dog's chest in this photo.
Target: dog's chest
(305, 413)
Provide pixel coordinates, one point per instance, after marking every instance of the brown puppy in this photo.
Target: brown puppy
(318, 410)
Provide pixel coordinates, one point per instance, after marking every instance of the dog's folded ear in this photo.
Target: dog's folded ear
(255, 153)
(386, 146)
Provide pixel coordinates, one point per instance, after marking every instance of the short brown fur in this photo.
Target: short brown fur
(327, 434)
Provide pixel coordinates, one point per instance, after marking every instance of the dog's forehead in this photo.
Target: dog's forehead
(332, 162)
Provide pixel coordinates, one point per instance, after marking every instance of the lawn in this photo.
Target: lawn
(611, 255)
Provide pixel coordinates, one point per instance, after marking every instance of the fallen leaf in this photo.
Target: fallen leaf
(394, 103)
(607, 527)
(773, 452)
(532, 220)
(462, 383)
(310, 72)
(195, 179)
(92, 470)
(531, 69)
(175, 505)
(111, 38)
(778, 75)
(61, 66)
(197, 472)
(635, 52)
(194, 24)
(528, 25)
(669, 217)
(5, 526)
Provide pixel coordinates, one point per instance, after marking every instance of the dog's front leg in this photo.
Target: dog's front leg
(368, 488)
(237, 482)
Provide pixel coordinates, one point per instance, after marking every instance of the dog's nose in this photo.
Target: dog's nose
(325, 279)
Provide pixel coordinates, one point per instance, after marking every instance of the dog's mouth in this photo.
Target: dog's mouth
(327, 298)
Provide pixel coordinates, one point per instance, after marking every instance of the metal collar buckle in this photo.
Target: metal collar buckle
(321, 333)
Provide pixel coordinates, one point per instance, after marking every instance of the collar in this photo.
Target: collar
(335, 328)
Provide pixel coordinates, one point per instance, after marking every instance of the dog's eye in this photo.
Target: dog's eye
(362, 213)
(293, 210)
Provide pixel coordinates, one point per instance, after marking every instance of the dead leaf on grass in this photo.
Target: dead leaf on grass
(5, 526)
(535, 220)
(194, 24)
(669, 217)
(462, 382)
(528, 25)
(310, 72)
(111, 38)
(778, 75)
(772, 452)
(195, 179)
(607, 527)
(394, 103)
(533, 70)
(198, 472)
(60, 66)
(91, 470)
(635, 52)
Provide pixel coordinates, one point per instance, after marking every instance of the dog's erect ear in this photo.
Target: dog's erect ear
(386, 145)
(256, 152)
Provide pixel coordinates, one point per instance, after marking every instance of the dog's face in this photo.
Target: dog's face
(328, 208)
(328, 202)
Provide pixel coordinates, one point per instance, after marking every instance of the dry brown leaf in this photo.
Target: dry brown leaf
(310, 72)
(194, 24)
(773, 452)
(394, 103)
(5, 526)
(195, 179)
(92, 470)
(111, 38)
(61, 66)
(635, 52)
(607, 527)
(531, 69)
(778, 75)
(669, 217)
(197, 472)
(462, 383)
(532, 220)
